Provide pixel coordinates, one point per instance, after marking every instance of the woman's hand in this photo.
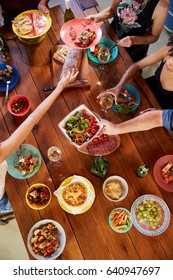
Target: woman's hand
(42, 7)
(126, 42)
(109, 127)
(68, 76)
(114, 91)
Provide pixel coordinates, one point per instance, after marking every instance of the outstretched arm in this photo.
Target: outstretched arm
(13, 142)
(142, 122)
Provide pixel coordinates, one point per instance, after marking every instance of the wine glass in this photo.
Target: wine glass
(55, 155)
(106, 102)
(103, 56)
(2, 56)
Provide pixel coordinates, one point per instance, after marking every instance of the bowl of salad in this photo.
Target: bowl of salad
(80, 126)
(46, 240)
(128, 100)
(38, 196)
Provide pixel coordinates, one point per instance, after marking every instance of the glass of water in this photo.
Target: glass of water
(55, 155)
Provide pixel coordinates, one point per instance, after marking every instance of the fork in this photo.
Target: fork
(8, 81)
(20, 154)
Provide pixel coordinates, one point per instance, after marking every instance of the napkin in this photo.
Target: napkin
(76, 209)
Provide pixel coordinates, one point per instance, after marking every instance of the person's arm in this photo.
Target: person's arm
(43, 6)
(107, 13)
(19, 135)
(132, 70)
(142, 122)
(159, 17)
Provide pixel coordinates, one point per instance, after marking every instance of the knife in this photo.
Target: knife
(78, 82)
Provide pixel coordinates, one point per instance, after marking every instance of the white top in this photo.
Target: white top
(3, 172)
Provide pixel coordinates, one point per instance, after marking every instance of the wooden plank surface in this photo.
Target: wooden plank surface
(88, 235)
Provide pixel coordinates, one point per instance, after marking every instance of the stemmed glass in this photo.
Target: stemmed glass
(106, 102)
(2, 56)
(103, 56)
(55, 155)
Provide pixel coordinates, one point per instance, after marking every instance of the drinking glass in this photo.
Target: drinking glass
(2, 56)
(106, 102)
(55, 155)
(103, 56)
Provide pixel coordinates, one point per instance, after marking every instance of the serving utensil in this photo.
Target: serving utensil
(20, 154)
(78, 82)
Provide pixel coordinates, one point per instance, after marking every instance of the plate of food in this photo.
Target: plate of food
(24, 163)
(128, 100)
(75, 194)
(163, 172)
(120, 220)
(8, 70)
(151, 215)
(80, 33)
(80, 126)
(104, 42)
(31, 26)
(46, 240)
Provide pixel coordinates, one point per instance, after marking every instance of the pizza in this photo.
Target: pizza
(75, 194)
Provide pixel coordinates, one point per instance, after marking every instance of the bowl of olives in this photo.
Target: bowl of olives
(19, 105)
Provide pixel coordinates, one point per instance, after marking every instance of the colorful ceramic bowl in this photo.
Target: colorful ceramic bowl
(19, 105)
(120, 220)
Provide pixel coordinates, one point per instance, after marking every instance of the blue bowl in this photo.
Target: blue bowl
(133, 91)
(105, 42)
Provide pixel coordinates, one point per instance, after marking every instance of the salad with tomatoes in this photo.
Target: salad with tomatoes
(81, 127)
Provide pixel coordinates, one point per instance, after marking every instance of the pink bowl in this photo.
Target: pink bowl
(18, 105)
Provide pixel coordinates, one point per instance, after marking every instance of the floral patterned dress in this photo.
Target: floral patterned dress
(134, 18)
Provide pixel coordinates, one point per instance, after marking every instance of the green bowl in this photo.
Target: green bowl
(127, 222)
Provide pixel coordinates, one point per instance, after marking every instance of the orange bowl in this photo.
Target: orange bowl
(19, 105)
(38, 196)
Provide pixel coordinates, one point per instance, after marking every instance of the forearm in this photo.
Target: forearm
(19, 135)
(144, 40)
(105, 14)
(130, 72)
(142, 122)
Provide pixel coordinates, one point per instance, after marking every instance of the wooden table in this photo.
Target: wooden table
(89, 235)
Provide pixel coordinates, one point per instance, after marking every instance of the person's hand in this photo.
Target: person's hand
(109, 127)
(114, 91)
(126, 42)
(68, 76)
(92, 17)
(42, 7)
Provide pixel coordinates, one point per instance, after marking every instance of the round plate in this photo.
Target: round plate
(110, 219)
(133, 91)
(46, 17)
(144, 227)
(123, 184)
(160, 163)
(67, 181)
(13, 158)
(79, 25)
(105, 42)
(14, 78)
(62, 239)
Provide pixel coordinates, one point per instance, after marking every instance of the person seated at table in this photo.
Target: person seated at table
(145, 121)
(12, 8)
(137, 23)
(12, 143)
(160, 83)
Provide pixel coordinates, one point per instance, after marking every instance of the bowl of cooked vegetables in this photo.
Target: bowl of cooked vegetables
(46, 240)
(19, 105)
(38, 196)
(128, 100)
(120, 220)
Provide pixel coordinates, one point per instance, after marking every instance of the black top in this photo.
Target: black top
(164, 97)
(134, 19)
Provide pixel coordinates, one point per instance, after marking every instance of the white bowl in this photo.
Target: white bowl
(124, 186)
(61, 237)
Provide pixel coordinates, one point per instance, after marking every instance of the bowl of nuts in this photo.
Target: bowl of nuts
(19, 105)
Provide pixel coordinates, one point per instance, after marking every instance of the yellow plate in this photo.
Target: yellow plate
(48, 24)
(67, 181)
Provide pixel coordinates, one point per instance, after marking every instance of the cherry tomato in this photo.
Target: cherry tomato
(49, 249)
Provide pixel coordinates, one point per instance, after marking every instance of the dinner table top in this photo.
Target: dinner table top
(88, 235)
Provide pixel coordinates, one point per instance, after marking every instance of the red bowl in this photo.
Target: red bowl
(19, 105)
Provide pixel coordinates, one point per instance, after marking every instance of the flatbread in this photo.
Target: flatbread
(61, 53)
(75, 194)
